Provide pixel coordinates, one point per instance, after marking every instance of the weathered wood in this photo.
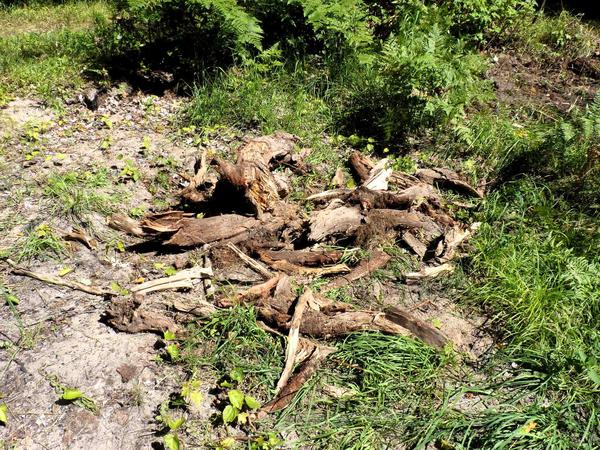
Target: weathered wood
(366, 267)
(121, 222)
(293, 339)
(312, 258)
(192, 232)
(419, 328)
(448, 179)
(334, 222)
(251, 174)
(92, 290)
(302, 375)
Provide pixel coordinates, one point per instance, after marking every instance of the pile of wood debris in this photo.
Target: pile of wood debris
(247, 221)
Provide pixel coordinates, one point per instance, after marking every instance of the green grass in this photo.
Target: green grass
(78, 194)
(40, 243)
(44, 51)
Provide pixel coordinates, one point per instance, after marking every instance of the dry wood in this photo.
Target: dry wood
(447, 179)
(166, 222)
(419, 328)
(311, 258)
(334, 222)
(454, 238)
(366, 267)
(304, 372)
(121, 222)
(182, 279)
(81, 236)
(92, 290)
(415, 244)
(192, 232)
(378, 176)
(128, 315)
(190, 192)
(290, 268)
(293, 339)
(362, 165)
(429, 272)
(255, 265)
(325, 196)
(251, 174)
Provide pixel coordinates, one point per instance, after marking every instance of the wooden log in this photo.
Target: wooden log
(332, 223)
(192, 232)
(310, 258)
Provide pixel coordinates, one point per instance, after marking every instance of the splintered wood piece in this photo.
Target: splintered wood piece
(454, 238)
(311, 258)
(192, 232)
(418, 327)
(415, 244)
(339, 178)
(121, 222)
(448, 179)
(378, 176)
(325, 196)
(302, 375)
(290, 268)
(190, 192)
(334, 222)
(255, 265)
(366, 267)
(92, 290)
(362, 165)
(81, 236)
(251, 174)
(429, 272)
(182, 279)
(382, 219)
(166, 222)
(293, 339)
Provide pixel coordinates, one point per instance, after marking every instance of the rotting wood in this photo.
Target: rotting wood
(334, 222)
(362, 165)
(291, 268)
(378, 260)
(418, 327)
(312, 258)
(127, 314)
(448, 179)
(193, 232)
(293, 339)
(251, 174)
(190, 192)
(92, 290)
(378, 176)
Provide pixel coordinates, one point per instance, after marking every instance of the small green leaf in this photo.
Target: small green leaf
(227, 442)
(170, 271)
(169, 335)
(242, 418)
(12, 299)
(171, 442)
(237, 374)
(593, 375)
(229, 414)
(71, 394)
(173, 351)
(3, 414)
(174, 424)
(196, 398)
(236, 398)
(65, 270)
(251, 402)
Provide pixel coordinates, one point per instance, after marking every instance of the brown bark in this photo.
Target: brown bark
(302, 257)
(366, 267)
(419, 328)
(192, 232)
